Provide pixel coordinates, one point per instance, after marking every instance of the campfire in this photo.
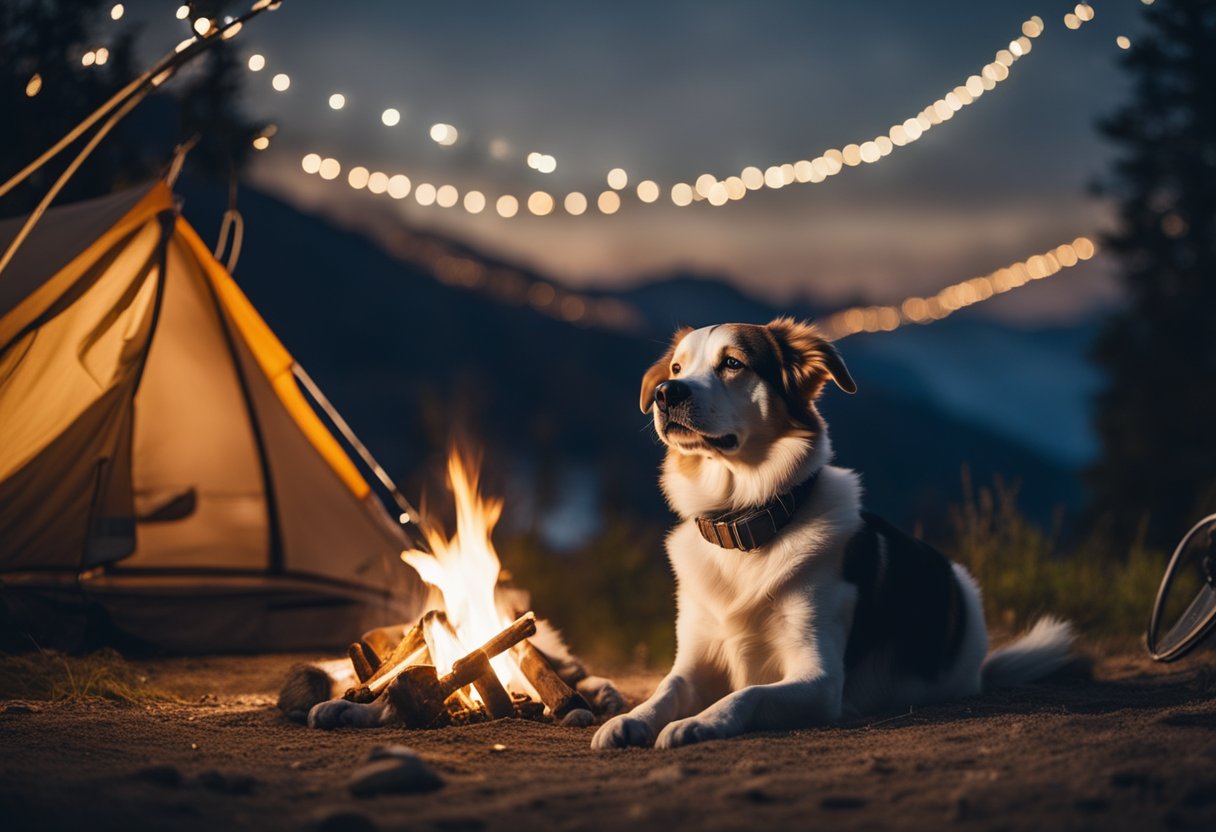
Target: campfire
(469, 658)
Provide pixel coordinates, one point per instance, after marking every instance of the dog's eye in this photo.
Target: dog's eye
(732, 363)
(675, 369)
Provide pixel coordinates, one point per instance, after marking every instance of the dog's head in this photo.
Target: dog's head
(731, 391)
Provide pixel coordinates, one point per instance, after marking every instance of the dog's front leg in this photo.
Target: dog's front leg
(675, 697)
(792, 703)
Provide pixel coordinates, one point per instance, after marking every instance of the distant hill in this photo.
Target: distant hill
(407, 357)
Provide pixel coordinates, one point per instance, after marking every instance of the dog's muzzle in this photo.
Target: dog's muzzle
(671, 393)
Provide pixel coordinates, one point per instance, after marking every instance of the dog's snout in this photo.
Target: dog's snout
(671, 393)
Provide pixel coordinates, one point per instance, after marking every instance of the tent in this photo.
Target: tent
(162, 475)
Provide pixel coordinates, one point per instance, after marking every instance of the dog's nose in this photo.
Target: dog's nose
(670, 393)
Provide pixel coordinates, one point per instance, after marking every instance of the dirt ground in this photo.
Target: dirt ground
(1133, 748)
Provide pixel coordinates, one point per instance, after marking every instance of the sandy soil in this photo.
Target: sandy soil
(1134, 748)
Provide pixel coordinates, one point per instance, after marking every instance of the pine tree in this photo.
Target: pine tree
(46, 89)
(1156, 418)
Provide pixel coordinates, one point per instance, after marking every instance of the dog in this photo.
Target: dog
(795, 607)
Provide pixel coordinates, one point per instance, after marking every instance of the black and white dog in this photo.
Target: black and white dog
(795, 606)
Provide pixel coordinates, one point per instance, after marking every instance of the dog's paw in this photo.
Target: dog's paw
(687, 732)
(339, 713)
(605, 699)
(622, 732)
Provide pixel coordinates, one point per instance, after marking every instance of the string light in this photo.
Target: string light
(507, 206)
(261, 143)
(474, 202)
(609, 202)
(444, 134)
(280, 82)
(202, 26)
(575, 203)
(719, 191)
(33, 86)
(1123, 42)
(809, 170)
(337, 101)
(117, 11)
(399, 186)
(923, 310)
(183, 11)
(425, 193)
(257, 63)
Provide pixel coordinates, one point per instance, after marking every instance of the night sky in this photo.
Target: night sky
(671, 90)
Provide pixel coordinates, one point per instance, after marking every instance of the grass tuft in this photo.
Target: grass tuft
(48, 676)
(1106, 590)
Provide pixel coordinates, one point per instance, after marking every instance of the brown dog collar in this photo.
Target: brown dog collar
(752, 528)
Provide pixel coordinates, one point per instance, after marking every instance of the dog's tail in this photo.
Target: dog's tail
(1040, 651)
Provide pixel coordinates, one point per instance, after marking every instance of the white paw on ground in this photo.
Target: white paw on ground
(688, 732)
(623, 732)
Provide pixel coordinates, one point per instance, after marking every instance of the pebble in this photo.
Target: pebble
(578, 718)
(393, 769)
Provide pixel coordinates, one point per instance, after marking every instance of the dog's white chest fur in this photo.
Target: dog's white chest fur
(753, 612)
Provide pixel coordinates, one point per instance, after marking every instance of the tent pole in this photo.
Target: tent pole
(409, 515)
(120, 105)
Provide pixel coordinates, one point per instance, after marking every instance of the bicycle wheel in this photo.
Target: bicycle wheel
(1185, 610)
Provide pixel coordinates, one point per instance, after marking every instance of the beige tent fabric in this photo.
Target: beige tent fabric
(53, 374)
(194, 439)
(150, 424)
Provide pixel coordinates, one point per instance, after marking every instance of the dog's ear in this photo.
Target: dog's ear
(808, 360)
(660, 370)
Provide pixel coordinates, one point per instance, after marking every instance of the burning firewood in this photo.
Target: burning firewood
(418, 694)
(363, 660)
(411, 649)
(497, 701)
(558, 697)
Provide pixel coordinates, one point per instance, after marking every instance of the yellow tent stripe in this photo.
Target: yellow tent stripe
(275, 362)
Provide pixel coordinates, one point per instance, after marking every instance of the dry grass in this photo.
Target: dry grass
(47, 676)
(1105, 588)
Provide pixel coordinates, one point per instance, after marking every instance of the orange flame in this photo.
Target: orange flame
(464, 569)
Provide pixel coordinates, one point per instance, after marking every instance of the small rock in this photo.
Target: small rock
(578, 718)
(304, 687)
(161, 775)
(218, 781)
(394, 775)
(345, 822)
